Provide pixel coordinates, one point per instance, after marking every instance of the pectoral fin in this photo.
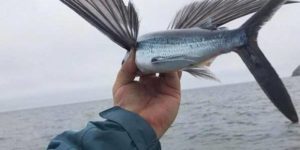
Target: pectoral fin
(211, 14)
(187, 59)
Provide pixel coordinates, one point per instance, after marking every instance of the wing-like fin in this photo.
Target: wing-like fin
(217, 12)
(112, 17)
(208, 24)
(201, 72)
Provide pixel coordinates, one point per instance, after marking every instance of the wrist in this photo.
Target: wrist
(157, 127)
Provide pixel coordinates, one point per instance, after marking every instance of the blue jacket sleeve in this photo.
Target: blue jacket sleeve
(123, 130)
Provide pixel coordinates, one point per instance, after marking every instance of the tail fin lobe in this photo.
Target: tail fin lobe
(268, 79)
(258, 64)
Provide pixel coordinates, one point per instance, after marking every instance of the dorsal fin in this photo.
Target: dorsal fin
(112, 17)
(219, 12)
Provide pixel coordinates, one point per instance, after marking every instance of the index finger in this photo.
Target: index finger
(127, 72)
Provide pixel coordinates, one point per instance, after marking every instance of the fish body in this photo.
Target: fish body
(179, 49)
(194, 39)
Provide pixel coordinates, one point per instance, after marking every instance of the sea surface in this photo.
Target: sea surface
(232, 117)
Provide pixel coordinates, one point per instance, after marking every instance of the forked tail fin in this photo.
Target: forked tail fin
(260, 67)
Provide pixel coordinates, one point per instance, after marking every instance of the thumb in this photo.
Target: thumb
(127, 72)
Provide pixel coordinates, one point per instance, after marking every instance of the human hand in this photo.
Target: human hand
(156, 99)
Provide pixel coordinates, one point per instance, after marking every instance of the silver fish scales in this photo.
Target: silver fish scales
(196, 36)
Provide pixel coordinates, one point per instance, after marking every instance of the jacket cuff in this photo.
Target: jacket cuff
(138, 129)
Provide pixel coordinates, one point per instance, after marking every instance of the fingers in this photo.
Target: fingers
(172, 79)
(145, 78)
(127, 72)
(169, 75)
(172, 75)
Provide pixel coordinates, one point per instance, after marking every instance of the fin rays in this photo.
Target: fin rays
(112, 17)
(219, 12)
(201, 72)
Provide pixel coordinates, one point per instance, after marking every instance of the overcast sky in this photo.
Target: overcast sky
(49, 55)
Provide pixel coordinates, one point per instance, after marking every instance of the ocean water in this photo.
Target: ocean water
(232, 117)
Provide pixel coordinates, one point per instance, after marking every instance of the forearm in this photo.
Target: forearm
(122, 130)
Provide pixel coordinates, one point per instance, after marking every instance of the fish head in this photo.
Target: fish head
(143, 61)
